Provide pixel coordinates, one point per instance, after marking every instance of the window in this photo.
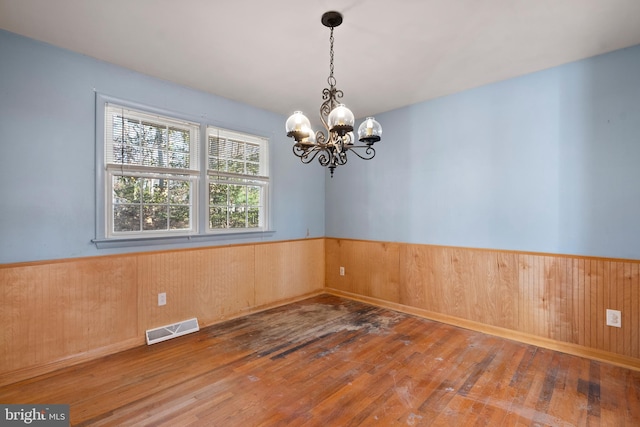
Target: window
(153, 182)
(237, 179)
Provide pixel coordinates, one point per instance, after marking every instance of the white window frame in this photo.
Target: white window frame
(224, 176)
(198, 174)
(115, 168)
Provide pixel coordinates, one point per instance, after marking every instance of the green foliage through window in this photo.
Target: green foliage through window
(237, 180)
(154, 176)
(234, 205)
(144, 204)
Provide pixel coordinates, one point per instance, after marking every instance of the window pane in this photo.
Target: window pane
(237, 218)
(253, 169)
(234, 156)
(178, 140)
(253, 196)
(214, 146)
(154, 140)
(126, 189)
(151, 157)
(244, 205)
(179, 192)
(237, 150)
(218, 194)
(179, 218)
(218, 217)
(155, 135)
(236, 167)
(216, 164)
(154, 218)
(131, 155)
(126, 140)
(253, 153)
(224, 148)
(237, 195)
(178, 160)
(126, 218)
(253, 218)
(154, 190)
(133, 132)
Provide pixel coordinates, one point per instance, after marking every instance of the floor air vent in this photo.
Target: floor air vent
(164, 333)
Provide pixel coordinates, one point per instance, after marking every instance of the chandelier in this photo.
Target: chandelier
(331, 149)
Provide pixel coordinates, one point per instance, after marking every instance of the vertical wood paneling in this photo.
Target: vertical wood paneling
(415, 276)
(634, 313)
(599, 311)
(470, 284)
(561, 298)
(581, 325)
(287, 270)
(51, 311)
(592, 280)
(505, 278)
(371, 268)
(451, 275)
(616, 283)
(54, 313)
(560, 303)
(209, 284)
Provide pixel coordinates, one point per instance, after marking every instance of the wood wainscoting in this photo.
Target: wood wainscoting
(59, 313)
(553, 301)
(62, 312)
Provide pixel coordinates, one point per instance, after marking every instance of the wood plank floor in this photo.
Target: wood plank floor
(328, 361)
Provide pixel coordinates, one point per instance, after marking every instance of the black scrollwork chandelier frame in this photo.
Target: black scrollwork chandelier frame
(331, 148)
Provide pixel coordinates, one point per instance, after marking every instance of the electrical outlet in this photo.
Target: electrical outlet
(614, 318)
(342, 271)
(162, 298)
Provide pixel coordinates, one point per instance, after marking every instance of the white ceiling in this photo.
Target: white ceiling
(275, 54)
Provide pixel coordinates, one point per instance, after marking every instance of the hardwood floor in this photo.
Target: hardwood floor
(327, 361)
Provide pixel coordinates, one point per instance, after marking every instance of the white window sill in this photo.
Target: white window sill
(125, 242)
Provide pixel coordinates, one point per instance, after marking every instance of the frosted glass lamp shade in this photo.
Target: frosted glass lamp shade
(341, 120)
(349, 139)
(309, 140)
(369, 131)
(298, 126)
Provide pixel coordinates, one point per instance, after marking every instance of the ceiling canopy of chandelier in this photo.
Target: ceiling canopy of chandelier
(331, 149)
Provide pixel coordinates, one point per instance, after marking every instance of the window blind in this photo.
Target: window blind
(236, 154)
(140, 140)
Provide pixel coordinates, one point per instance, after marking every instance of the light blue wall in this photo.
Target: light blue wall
(548, 162)
(47, 151)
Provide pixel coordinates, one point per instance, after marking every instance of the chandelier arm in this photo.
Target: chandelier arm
(321, 139)
(368, 154)
(306, 154)
(326, 158)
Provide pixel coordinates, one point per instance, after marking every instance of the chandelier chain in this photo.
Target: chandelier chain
(331, 80)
